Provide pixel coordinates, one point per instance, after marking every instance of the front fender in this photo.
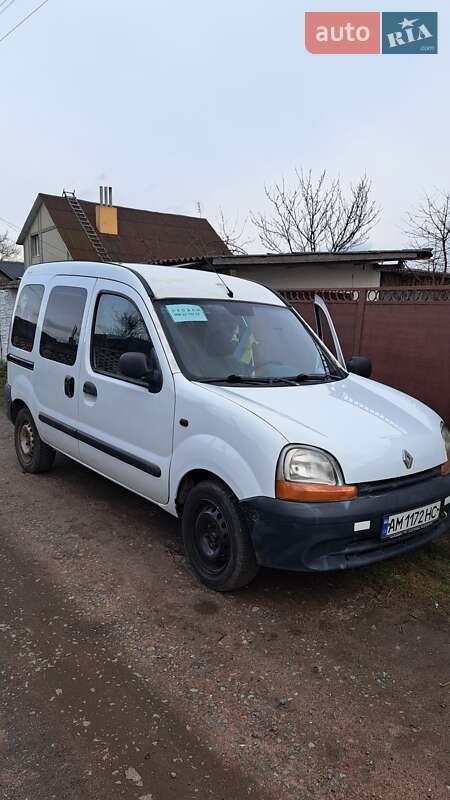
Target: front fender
(204, 451)
(225, 439)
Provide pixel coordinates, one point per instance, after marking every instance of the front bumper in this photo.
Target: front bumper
(316, 537)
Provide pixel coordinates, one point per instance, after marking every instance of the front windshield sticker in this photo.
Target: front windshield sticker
(185, 312)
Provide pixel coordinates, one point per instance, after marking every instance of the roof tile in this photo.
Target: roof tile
(143, 237)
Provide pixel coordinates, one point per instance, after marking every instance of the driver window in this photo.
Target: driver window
(118, 328)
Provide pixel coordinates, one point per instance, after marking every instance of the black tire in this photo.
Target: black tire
(32, 453)
(217, 544)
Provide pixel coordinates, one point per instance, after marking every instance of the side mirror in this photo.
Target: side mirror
(360, 365)
(140, 367)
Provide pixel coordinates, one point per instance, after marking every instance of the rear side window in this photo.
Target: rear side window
(25, 319)
(118, 328)
(62, 324)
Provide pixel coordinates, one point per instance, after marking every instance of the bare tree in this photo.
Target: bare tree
(313, 215)
(129, 324)
(7, 247)
(429, 226)
(232, 234)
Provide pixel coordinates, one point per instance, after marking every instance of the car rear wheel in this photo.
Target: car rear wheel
(217, 544)
(32, 453)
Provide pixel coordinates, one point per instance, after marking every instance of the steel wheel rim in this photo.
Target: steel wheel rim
(26, 441)
(212, 539)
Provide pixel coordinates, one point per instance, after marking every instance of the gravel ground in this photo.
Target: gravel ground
(122, 677)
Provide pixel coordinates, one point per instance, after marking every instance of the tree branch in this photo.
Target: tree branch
(312, 215)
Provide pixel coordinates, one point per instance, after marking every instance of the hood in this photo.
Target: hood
(366, 426)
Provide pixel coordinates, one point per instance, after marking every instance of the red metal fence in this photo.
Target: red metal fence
(404, 331)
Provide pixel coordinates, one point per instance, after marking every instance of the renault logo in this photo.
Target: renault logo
(407, 459)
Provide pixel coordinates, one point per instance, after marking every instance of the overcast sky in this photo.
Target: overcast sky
(174, 103)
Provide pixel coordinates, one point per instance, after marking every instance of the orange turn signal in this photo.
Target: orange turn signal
(314, 492)
(445, 468)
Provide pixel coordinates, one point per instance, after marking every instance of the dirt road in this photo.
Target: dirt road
(121, 677)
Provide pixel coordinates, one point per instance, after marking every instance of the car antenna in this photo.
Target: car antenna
(230, 293)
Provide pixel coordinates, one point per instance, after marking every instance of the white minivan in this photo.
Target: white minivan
(213, 398)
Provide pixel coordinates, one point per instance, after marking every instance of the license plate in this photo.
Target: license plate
(397, 524)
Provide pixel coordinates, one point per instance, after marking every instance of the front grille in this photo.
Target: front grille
(382, 487)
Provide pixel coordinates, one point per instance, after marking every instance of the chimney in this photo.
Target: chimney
(106, 214)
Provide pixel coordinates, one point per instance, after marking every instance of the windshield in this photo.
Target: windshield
(235, 341)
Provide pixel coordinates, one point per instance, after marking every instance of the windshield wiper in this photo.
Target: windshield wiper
(250, 380)
(319, 377)
(287, 380)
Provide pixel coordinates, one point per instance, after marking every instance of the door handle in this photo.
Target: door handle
(90, 389)
(69, 386)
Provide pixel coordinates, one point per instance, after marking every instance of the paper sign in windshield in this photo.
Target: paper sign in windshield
(186, 312)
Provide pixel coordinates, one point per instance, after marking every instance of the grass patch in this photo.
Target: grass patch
(423, 575)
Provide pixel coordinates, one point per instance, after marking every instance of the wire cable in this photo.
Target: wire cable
(21, 22)
(8, 222)
(50, 246)
(6, 7)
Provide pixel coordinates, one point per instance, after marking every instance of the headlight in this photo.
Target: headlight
(311, 475)
(307, 465)
(445, 468)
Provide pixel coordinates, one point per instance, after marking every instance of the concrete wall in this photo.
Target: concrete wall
(7, 300)
(52, 247)
(345, 276)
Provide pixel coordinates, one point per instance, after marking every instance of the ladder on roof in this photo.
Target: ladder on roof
(87, 227)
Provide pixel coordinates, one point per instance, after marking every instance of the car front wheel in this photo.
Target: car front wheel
(217, 544)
